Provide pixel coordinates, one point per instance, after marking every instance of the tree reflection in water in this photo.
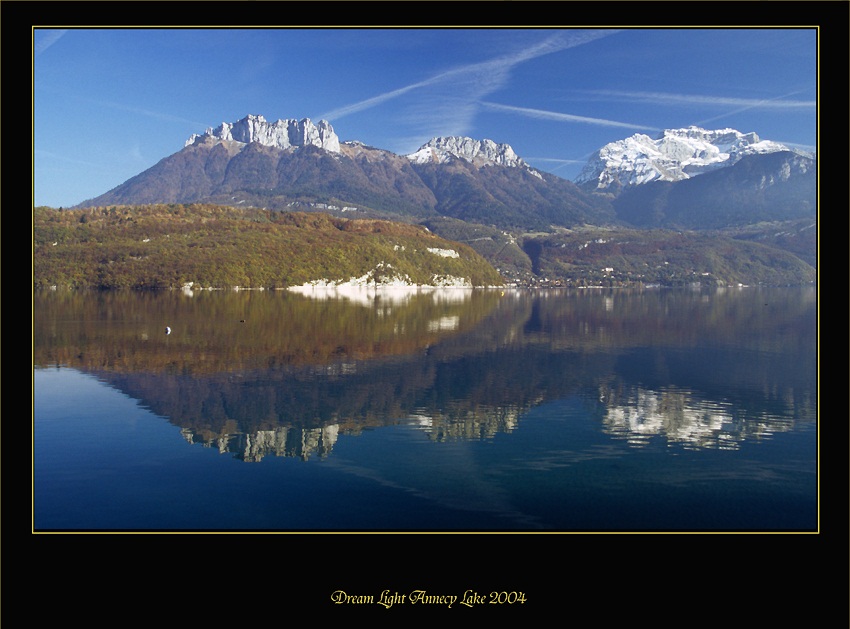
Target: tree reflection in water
(276, 373)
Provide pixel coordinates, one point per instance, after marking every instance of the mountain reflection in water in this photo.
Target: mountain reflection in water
(261, 374)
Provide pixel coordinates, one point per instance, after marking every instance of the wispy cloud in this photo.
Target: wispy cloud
(811, 148)
(773, 104)
(664, 98)
(451, 98)
(558, 163)
(45, 38)
(562, 117)
(149, 113)
(70, 160)
(556, 160)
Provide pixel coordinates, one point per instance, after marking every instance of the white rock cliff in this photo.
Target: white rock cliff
(282, 134)
(479, 152)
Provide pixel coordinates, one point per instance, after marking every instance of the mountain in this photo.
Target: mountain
(662, 257)
(479, 152)
(719, 180)
(481, 193)
(675, 155)
(299, 165)
(282, 134)
(638, 181)
(484, 182)
(773, 186)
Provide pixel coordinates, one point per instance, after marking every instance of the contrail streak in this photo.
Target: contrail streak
(762, 104)
(50, 37)
(479, 78)
(561, 117)
(147, 112)
(687, 99)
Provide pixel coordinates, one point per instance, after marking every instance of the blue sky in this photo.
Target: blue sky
(110, 103)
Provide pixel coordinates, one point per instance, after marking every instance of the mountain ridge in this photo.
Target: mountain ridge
(479, 152)
(721, 181)
(281, 134)
(778, 185)
(675, 155)
(274, 165)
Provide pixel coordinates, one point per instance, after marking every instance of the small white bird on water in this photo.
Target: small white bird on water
(167, 330)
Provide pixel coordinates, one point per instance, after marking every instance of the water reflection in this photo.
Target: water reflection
(281, 441)
(683, 418)
(258, 374)
(466, 423)
(303, 443)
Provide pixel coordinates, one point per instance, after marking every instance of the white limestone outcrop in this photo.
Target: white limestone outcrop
(281, 134)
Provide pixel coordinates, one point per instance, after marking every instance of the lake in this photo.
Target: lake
(422, 411)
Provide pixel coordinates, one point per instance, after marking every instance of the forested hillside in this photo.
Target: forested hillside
(208, 246)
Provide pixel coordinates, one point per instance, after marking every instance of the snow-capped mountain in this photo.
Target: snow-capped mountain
(296, 164)
(282, 134)
(290, 164)
(479, 152)
(675, 155)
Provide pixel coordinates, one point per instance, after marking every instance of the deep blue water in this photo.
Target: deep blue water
(658, 411)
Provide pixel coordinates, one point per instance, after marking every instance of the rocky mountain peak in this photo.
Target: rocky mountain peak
(281, 134)
(674, 155)
(479, 152)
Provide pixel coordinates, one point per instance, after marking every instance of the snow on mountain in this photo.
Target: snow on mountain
(675, 155)
(282, 134)
(479, 152)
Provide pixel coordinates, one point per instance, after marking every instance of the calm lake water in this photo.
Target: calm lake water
(441, 410)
